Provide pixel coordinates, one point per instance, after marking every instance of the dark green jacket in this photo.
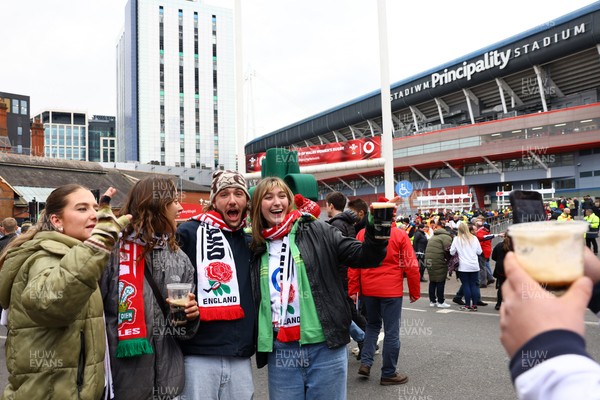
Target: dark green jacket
(56, 339)
(437, 268)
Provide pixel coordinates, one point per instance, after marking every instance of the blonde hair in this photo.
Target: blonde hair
(464, 234)
(256, 218)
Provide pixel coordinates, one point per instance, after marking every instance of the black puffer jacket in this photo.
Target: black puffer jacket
(344, 221)
(324, 250)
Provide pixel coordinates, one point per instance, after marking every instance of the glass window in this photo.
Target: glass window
(585, 174)
(19, 131)
(82, 135)
(23, 107)
(15, 106)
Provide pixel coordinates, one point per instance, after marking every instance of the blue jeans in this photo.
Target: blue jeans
(311, 371)
(218, 378)
(387, 310)
(356, 333)
(470, 285)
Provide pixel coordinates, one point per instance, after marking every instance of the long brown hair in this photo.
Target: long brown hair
(147, 202)
(256, 219)
(55, 205)
(507, 244)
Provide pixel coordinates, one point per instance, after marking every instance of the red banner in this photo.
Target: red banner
(352, 150)
(189, 210)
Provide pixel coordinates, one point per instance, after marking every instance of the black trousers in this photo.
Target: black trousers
(592, 243)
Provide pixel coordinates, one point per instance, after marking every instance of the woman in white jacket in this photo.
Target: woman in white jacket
(468, 248)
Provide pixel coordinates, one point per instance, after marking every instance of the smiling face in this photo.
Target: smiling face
(78, 218)
(231, 203)
(172, 211)
(274, 206)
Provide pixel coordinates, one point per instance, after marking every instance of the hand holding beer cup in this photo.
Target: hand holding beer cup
(182, 303)
(551, 252)
(383, 217)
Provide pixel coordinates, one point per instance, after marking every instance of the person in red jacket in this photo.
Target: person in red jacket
(486, 277)
(381, 290)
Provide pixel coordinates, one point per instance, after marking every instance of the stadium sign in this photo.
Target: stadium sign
(352, 150)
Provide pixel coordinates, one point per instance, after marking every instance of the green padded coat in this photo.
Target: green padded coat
(56, 337)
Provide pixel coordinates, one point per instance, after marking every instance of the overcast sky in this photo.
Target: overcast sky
(301, 57)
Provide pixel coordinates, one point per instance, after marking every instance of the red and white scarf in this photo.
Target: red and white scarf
(283, 282)
(218, 289)
(132, 333)
(280, 230)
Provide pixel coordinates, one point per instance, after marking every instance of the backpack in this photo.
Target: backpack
(451, 261)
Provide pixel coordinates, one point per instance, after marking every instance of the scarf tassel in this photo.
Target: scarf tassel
(289, 333)
(227, 313)
(133, 348)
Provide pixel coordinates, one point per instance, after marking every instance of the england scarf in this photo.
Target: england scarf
(218, 289)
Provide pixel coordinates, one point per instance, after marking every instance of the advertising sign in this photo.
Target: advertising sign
(352, 150)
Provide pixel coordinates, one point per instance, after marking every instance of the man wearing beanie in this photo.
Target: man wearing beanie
(217, 358)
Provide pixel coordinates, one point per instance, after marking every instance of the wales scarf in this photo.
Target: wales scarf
(218, 289)
(131, 318)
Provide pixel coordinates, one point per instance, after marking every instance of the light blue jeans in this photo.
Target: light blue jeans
(356, 333)
(218, 378)
(311, 371)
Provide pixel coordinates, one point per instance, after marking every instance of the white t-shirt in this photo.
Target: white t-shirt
(467, 254)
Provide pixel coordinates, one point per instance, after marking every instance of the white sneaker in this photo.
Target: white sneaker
(443, 305)
(432, 304)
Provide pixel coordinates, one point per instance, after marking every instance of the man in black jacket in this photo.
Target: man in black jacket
(217, 358)
(344, 221)
(335, 203)
(419, 245)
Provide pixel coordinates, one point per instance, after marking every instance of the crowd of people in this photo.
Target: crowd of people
(86, 289)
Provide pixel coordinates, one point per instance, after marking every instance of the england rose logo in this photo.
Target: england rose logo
(218, 273)
(291, 297)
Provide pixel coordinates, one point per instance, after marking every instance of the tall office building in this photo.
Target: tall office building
(175, 96)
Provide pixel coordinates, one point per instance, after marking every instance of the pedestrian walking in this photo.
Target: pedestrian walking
(468, 248)
(437, 266)
(498, 254)
(592, 234)
(419, 245)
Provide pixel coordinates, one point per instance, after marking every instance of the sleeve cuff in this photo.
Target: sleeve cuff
(545, 346)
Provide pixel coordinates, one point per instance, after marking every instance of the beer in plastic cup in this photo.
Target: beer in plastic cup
(550, 251)
(178, 295)
(383, 213)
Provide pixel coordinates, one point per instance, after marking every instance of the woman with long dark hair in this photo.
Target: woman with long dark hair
(146, 360)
